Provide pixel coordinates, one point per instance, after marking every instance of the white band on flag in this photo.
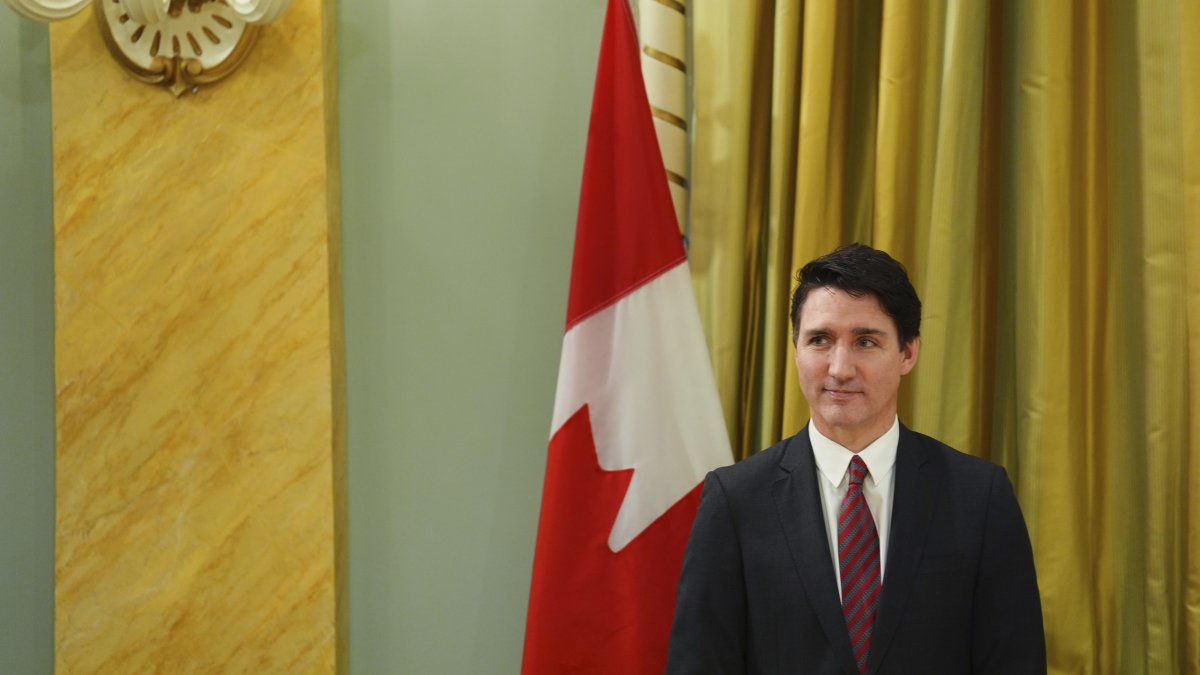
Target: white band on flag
(642, 367)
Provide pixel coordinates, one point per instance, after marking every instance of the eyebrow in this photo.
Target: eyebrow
(820, 330)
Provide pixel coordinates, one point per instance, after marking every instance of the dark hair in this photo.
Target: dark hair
(861, 270)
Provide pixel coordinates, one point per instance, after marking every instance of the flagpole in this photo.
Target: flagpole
(662, 30)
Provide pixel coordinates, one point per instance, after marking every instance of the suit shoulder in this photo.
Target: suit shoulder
(954, 460)
(755, 469)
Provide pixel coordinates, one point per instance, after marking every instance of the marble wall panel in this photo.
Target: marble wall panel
(200, 495)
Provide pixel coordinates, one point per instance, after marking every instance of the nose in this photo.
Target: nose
(841, 363)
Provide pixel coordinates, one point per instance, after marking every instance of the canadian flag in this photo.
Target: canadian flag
(637, 422)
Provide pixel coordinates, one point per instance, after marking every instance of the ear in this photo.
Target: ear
(909, 354)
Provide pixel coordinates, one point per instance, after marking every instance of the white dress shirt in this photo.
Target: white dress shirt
(833, 477)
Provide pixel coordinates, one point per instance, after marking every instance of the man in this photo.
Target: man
(857, 545)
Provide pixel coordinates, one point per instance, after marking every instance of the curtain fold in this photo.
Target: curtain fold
(1190, 147)
(725, 220)
(1036, 166)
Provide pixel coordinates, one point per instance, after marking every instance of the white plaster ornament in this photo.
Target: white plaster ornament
(179, 44)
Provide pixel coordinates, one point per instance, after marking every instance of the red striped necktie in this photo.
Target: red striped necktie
(858, 560)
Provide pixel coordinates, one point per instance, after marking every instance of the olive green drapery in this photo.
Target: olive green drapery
(1036, 166)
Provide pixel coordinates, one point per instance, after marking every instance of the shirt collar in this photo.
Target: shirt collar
(833, 460)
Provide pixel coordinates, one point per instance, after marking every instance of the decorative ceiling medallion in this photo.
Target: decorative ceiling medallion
(192, 43)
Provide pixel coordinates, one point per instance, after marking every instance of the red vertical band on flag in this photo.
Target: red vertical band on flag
(626, 233)
(592, 610)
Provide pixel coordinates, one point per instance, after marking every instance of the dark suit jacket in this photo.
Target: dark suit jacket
(757, 593)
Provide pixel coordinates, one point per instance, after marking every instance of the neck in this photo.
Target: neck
(854, 440)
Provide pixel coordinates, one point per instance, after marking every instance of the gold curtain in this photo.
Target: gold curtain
(1036, 166)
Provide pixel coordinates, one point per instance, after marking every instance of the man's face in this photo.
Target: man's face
(849, 360)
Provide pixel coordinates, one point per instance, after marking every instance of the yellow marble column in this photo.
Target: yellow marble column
(200, 482)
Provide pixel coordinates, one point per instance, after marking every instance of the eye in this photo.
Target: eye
(818, 340)
(867, 342)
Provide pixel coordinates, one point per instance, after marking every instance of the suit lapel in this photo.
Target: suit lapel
(917, 483)
(798, 501)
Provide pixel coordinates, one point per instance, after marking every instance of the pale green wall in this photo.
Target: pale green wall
(462, 133)
(26, 351)
(463, 129)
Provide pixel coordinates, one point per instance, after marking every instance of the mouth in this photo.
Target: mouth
(841, 394)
